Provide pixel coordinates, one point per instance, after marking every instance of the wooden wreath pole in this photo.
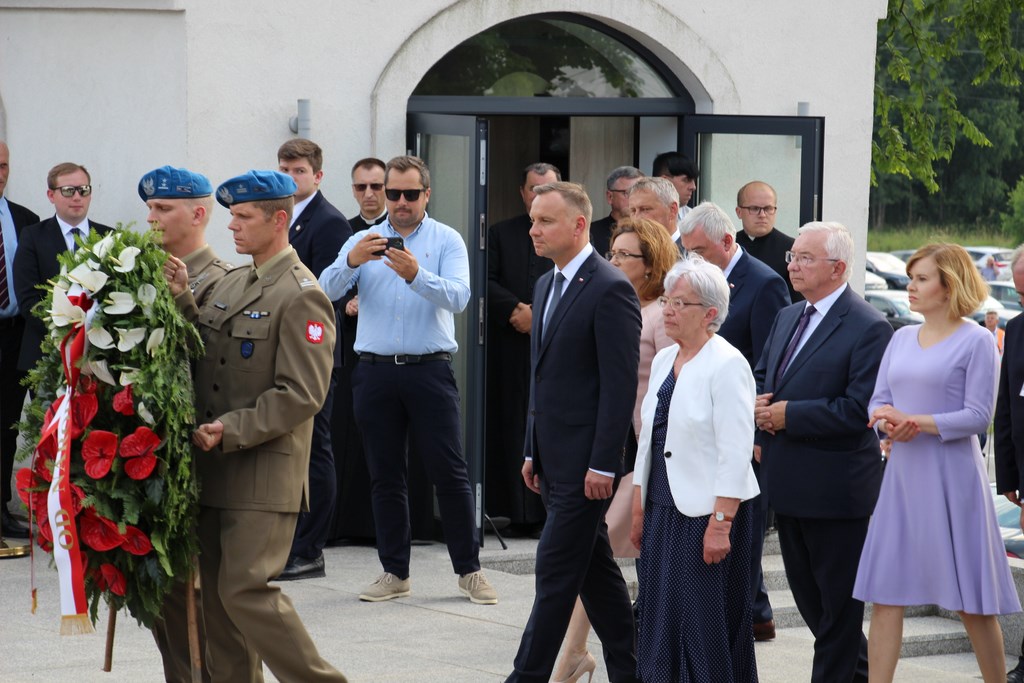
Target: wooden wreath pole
(108, 652)
(193, 627)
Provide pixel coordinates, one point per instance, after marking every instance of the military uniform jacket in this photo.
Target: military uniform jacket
(269, 352)
(204, 271)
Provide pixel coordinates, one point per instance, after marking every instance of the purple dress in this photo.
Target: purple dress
(934, 538)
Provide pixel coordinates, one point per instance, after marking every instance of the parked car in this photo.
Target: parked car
(1008, 515)
(873, 282)
(1001, 255)
(1006, 294)
(888, 267)
(903, 254)
(1005, 314)
(895, 306)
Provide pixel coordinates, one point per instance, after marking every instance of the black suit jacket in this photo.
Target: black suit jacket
(22, 216)
(756, 295)
(34, 264)
(584, 373)
(771, 250)
(601, 234)
(512, 269)
(1009, 419)
(317, 235)
(826, 462)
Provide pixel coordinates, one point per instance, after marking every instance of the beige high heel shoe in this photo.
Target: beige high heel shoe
(586, 665)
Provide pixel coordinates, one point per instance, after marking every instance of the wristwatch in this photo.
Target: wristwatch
(722, 517)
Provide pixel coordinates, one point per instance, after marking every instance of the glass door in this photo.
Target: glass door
(783, 151)
(455, 149)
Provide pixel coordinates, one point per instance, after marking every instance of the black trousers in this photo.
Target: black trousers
(415, 406)
(821, 558)
(313, 526)
(575, 558)
(12, 396)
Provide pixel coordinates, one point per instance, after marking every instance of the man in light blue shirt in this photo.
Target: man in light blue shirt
(413, 277)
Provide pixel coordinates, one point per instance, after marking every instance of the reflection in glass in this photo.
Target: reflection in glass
(543, 58)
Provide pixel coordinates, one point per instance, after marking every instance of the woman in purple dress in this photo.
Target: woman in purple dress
(934, 538)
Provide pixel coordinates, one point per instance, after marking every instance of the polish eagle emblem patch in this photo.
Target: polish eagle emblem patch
(314, 332)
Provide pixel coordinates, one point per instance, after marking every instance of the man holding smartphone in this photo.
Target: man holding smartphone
(403, 388)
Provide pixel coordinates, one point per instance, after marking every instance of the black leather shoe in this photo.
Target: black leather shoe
(764, 630)
(1016, 675)
(12, 527)
(301, 568)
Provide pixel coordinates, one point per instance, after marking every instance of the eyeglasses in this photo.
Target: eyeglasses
(676, 304)
(361, 187)
(410, 195)
(805, 259)
(620, 255)
(70, 190)
(766, 210)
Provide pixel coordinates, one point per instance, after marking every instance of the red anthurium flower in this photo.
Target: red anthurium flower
(83, 410)
(111, 579)
(47, 447)
(136, 542)
(123, 401)
(87, 385)
(98, 451)
(137, 448)
(26, 481)
(97, 532)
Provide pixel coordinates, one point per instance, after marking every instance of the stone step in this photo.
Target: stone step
(923, 636)
(786, 614)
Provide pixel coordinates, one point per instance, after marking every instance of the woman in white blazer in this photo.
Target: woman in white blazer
(692, 477)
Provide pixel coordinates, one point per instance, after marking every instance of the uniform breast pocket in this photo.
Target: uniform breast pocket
(250, 339)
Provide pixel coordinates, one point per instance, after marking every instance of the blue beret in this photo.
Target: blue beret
(255, 186)
(168, 182)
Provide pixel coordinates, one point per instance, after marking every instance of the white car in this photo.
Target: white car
(873, 282)
(1002, 256)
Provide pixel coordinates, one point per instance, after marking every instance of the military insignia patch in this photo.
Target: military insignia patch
(225, 194)
(314, 332)
(247, 348)
(148, 186)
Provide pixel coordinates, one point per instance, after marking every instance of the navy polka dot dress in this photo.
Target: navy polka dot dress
(694, 618)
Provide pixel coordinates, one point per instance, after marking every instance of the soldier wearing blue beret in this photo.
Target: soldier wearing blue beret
(269, 349)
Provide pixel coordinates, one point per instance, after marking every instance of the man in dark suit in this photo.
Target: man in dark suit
(317, 232)
(1009, 419)
(756, 206)
(656, 199)
(820, 464)
(585, 349)
(512, 271)
(616, 193)
(69, 189)
(756, 295)
(13, 217)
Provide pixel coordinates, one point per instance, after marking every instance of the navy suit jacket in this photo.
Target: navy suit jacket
(826, 463)
(317, 236)
(756, 295)
(1009, 419)
(22, 216)
(584, 373)
(34, 264)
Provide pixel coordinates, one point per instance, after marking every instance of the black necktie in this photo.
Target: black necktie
(75, 232)
(556, 296)
(794, 342)
(5, 292)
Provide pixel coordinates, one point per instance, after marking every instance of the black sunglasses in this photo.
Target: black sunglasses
(410, 195)
(361, 187)
(70, 190)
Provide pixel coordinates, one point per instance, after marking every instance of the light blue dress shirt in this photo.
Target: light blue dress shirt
(399, 318)
(10, 237)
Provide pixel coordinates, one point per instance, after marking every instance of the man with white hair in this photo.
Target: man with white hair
(658, 200)
(820, 463)
(756, 295)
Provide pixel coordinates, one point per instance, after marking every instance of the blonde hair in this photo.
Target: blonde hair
(659, 251)
(957, 273)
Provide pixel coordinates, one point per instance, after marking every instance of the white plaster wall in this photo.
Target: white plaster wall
(213, 86)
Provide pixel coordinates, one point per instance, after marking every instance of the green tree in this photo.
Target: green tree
(918, 116)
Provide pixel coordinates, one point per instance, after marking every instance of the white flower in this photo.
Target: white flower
(128, 339)
(128, 376)
(100, 338)
(91, 280)
(99, 370)
(102, 248)
(126, 259)
(146, 296)
(119, 303)
(144, 413)
(63, 312)
(92, 264)
(156, 337)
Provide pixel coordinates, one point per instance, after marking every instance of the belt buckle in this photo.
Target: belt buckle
(399, 362)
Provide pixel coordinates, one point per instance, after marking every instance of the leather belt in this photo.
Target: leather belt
(404, 359)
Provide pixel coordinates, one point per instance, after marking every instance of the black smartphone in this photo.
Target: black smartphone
(393, 243)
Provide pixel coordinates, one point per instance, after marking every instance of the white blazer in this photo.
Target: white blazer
(710, 428)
